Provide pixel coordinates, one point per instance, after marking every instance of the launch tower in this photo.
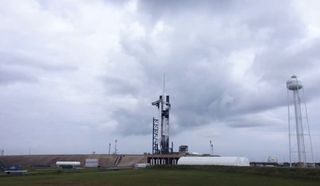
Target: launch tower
(161, 125)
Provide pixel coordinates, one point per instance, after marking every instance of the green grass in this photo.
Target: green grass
(166, 176)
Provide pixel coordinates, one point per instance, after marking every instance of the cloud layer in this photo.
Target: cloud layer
(74, 76)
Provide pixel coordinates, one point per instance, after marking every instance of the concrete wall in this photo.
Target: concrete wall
(50, 160)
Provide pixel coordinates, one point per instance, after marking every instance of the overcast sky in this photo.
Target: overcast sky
(76, 75)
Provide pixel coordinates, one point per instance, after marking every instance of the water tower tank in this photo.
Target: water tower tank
(293, 83)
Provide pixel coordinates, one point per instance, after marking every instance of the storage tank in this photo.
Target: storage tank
(223, 161)
(68, 164)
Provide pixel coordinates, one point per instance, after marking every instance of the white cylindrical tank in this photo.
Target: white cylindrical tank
(223, 161)
(68, 163)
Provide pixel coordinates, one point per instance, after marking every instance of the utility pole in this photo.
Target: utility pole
(109, 149)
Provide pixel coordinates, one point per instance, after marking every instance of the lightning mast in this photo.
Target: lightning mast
(211, 147)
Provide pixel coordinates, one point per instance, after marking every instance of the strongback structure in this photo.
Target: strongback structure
(162, 125)
(299, 116)
(155, 136)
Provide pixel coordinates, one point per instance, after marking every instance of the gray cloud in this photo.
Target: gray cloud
(198, 58)
(8, 77)
(98, 66)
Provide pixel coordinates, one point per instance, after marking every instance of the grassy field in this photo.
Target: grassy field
(170, 176)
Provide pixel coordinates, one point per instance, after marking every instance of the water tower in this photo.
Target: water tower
(298, 117)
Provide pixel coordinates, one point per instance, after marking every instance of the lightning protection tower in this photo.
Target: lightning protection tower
(161, 124)
(211, 147)
(298, 117)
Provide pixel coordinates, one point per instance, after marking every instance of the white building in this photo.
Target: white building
(92, 163)
(210, 160)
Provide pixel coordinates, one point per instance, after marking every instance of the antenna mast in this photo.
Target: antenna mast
(164, 84)
(115, 147)
(109, 148)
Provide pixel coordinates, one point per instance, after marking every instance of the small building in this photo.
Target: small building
(211, 160)
(91, 163)
(183, 149)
